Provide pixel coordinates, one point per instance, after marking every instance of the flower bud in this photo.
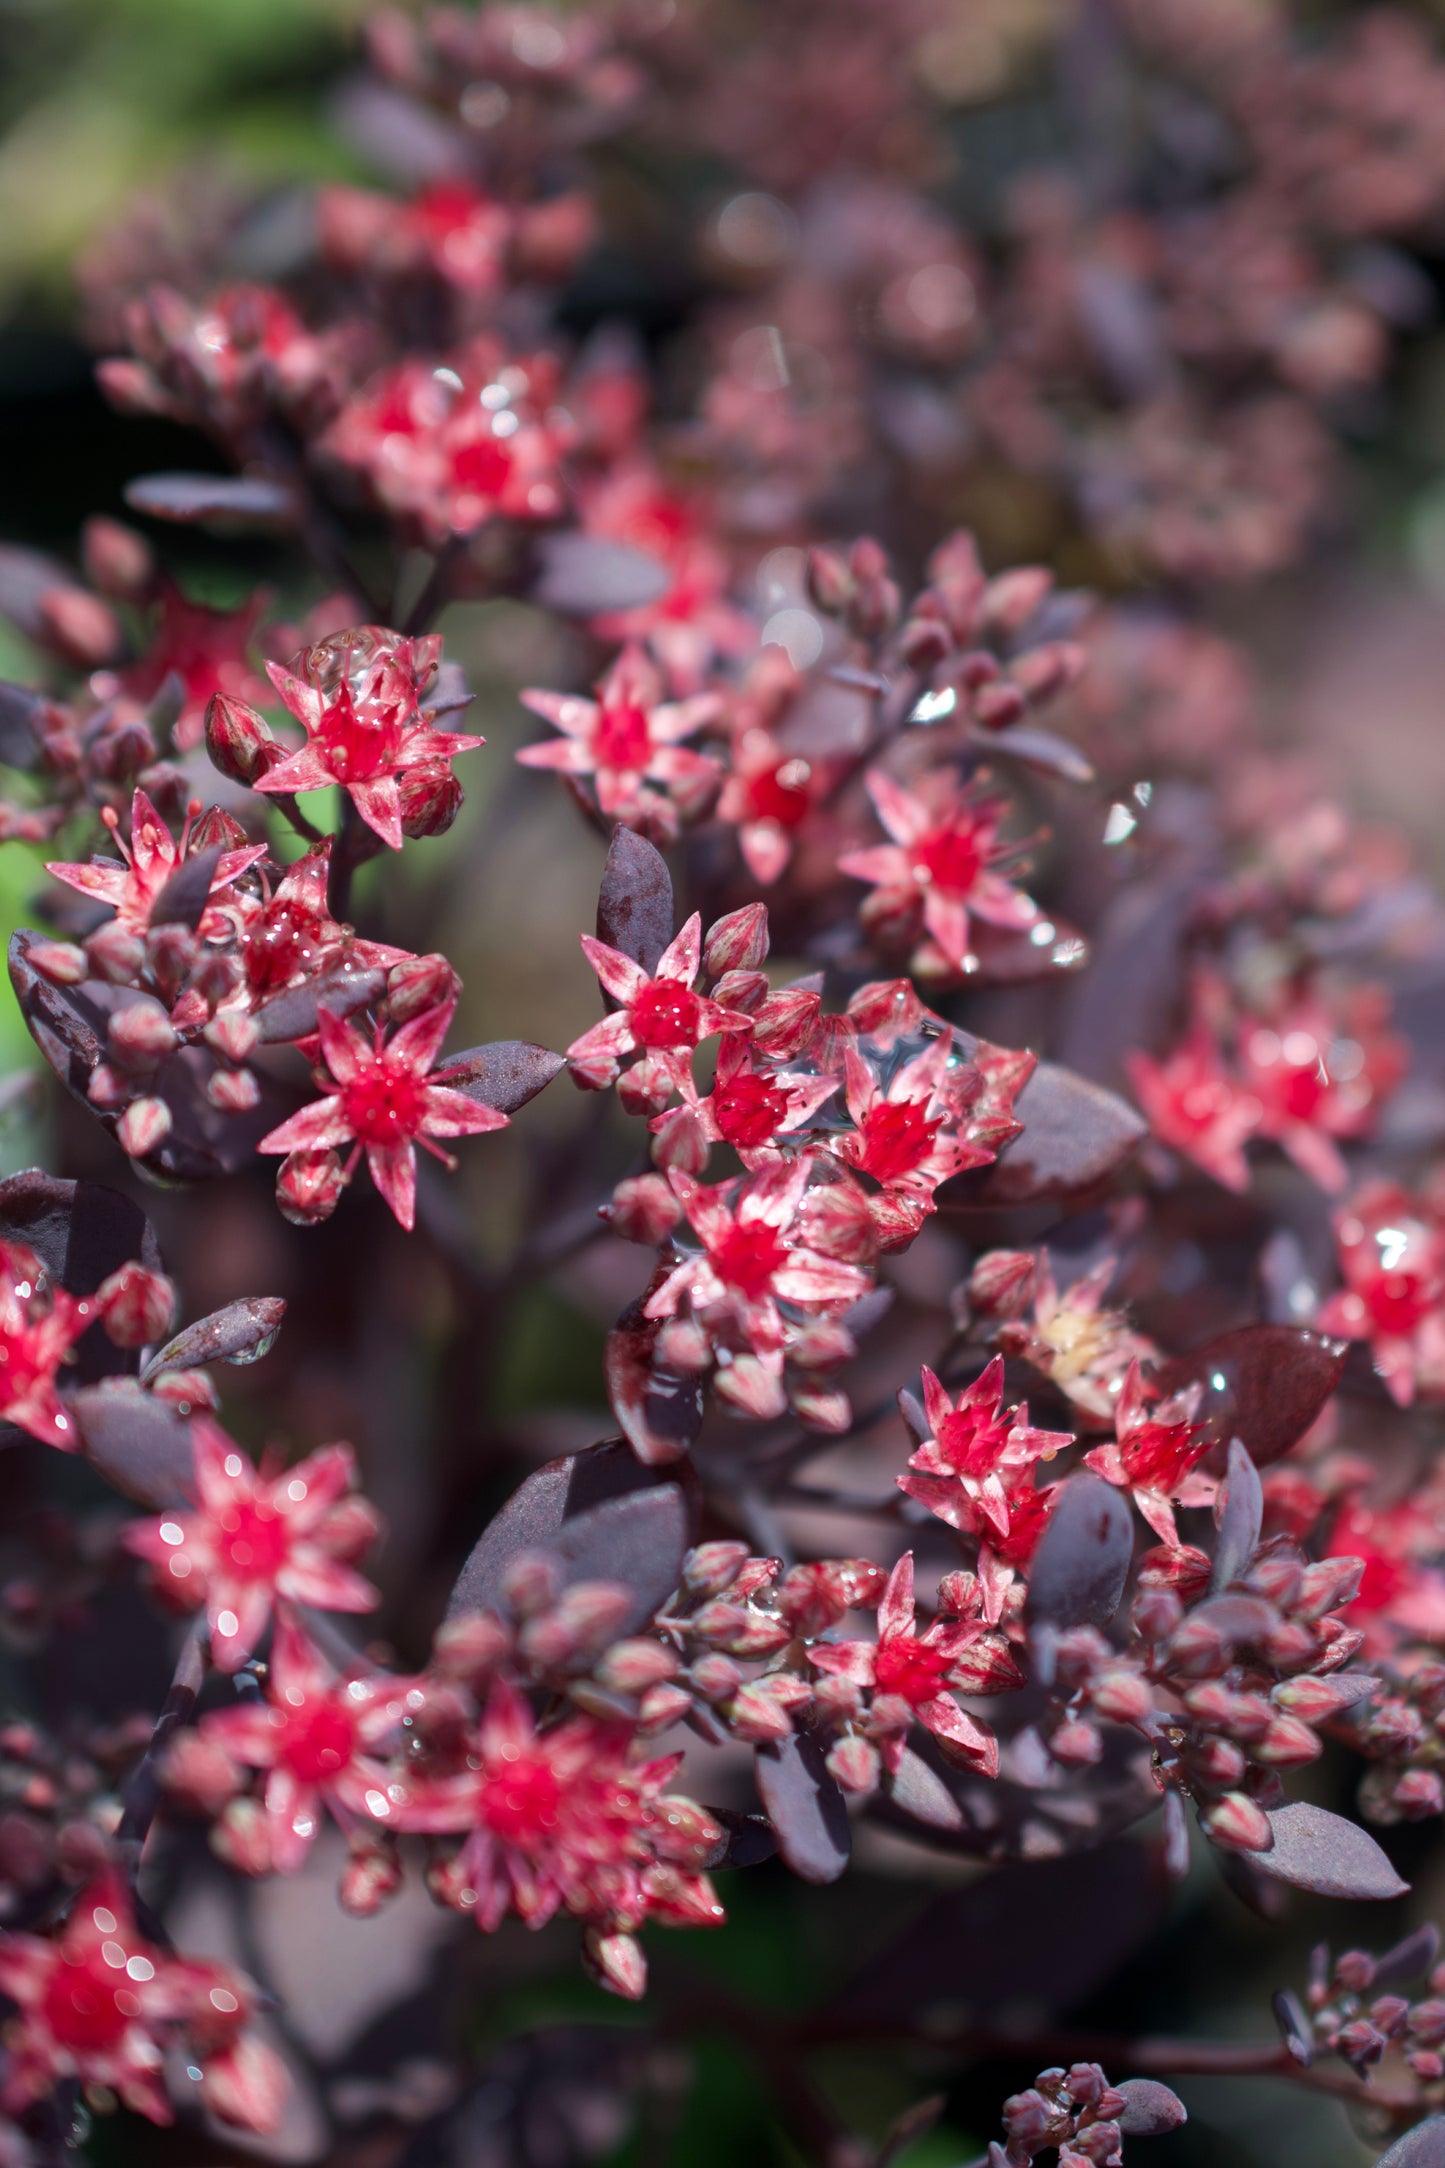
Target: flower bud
(616, 1962)
(170, 952)
(1312, 1700)
(1001, 1284)
(1076, 1743)
(712, 1567)
(117, 560)
(372, 1874)
(531, 1583)
(754, 1715)
(189, 1392)
(470, 1647)
(1419, 1795)
(996, 706)
(115, 954)
(231, 1034)
(62, 962)
(1122, 1696)
(830, 583)
(122, 749)
(108, 1089)
(136, 1306)
(217, 830)
(430, 801)
(854, 1766)
(642, 1209)
(81, 626)
(1236, 1824)
(241, 743)
(1011, 599)
(1287, 1744)
(679, 1144)
(141, 1035)
(143, 1128)
(738, 942)
(309, 1186)
(199, 1775)
(584, 1619)
(234, 1091)
(631, 1667)
(663, 1706)
(419, 984)
(242, 1837)
(1217, 1763)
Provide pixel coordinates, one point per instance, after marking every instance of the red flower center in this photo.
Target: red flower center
(749, 1111)
(897, 1139)
(906, 1666)
(88, 2003)
(385, 1104)
(357, 744)
(285, 944)
(20, 1367)
(520, 1800)
(780, 794)
(1397, 1301)
(254, 1543)
(748, 1257)
(950, 859)
(666, 1014)
(972, 1439)
(622, 738)
(320, 1739)
(481, 467)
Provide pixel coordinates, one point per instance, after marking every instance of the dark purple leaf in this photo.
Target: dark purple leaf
(81, 1232)
(1407, 1960)
(920, 1792)
(26, 577)
(1241, 1519)
(747, 1840)
(910, 1407)
(1263, 1384)
(584, 575)
(1422, 2147)
(241, 1333)
(1080, 1566)
(292, 1015)
(1076, 1138)
(1041, 749)
(135, 1442)
(1294, 2027)
(183, 900)
(538, 1514)
(19, 746)
(1150, 2109)
(1176, 1837)
(660, 1410)
(638, 1539)
(634, 903)
(212, 500)
(1314, 1849)
(505, 1074)
(1008, 957)
(805, 1807)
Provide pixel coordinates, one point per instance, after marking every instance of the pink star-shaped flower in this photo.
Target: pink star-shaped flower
(752, 1105)
(208, 650)
(38, 1328)
(358, 699)
(768, 795)
(152, 855)
(968, 1470)
(659, 1017)
(1155, 1454)
(289, 936)
(315, 1735)
(629, 740)
(1391, 1249)
(911, 1674)
(256, 1540)
(1318, 1078)
(1195, 1108)
(387, 1100)
(942, 864)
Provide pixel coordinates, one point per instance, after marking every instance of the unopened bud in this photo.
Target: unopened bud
(663, 1706)
(372, 1874)
(715, 1677)
(531, 1583)
(643, 1209)
(584, 1619)
(431, 799)
(199, 1775)
(115, 954)
(136, 1306)
(853, 1764)
(189, 1392)
(143, 1128)
(712, 1567)
(419, 984)
(830, 583)
(217, 830)
(738, 942)
(232, 1034)
(117, 560)
(141, 1035)
(754, 1715)
(1076, 1743)
(1122, 1696)
(1011, 599)
(309, 1186)
(81, 626)
(1001, 1284)
(59, 961)
(631, 1667)
(241, 743)
(1236, 1824)
(470, 1647)
(616, 1962)
(234, 1091)
(1287, 1744)
(996, 706)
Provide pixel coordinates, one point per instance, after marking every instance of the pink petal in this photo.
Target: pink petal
(378, 801)
(420, 1041)
(452, 1114)
(904, 816)
(683, 954)
(895, 1605)
(315, 1129)
(393, 1169)
(618, 974)
(564, 711)
(302, 770)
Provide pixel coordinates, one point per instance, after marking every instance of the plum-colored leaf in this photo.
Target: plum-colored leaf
(1317, 1850)
(746, 1841)
(81, 1232)
(634, 902)
(1422, 2147)
(504, 1074)
(183, 900)
(1076, 1137)
(1081, 1564)
(543, 1511)
(19, 745)
(1262, 1384)
(1176, 1837)
(26, 577)
(805, 1807)
(135, 1442)
(1241, 1519)
(659, 1410)
(1294, 2026)
(1407, 1960)
(292, 1014)
(242, 1332)
(1008, 956)
(1150, 2109)
(1040, 749)
(584, 575)
(211, 500)
(638, 1539)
